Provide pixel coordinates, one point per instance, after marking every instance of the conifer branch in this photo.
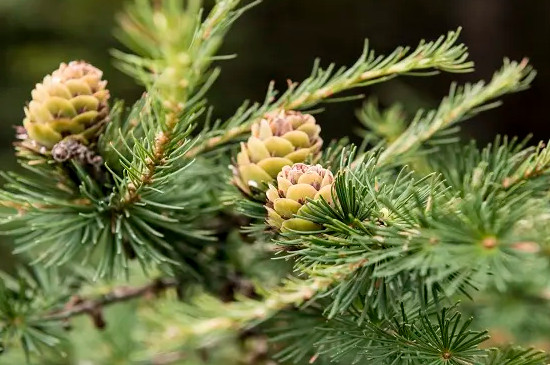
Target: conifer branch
(381, 125)
(212, 317)
(408, 336)
(174, 47)
(535, 165)
(175, 51)
(443, 54)
(373, 245)
(93, 307)
(461, 103)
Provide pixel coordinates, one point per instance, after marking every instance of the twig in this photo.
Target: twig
(93, 307)
(246, 313)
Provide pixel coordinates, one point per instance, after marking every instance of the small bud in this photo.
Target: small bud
(489, 242)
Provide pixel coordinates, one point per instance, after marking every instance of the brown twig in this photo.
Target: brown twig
(93, 307)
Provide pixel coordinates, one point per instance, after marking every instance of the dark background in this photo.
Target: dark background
(279, 40)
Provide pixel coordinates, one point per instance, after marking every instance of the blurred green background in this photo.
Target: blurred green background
(279, 39)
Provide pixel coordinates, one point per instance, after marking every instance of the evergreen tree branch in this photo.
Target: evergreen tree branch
(153, 194)
(443, 54)
(366, 284)
(435, 336)
(23, 299)
(535, 165)
(208, 317)
(410, 337)
(461, 103)
(180, 52)
(174, 48)
(381, 125)
(175, 51)
(426, 236)
(515, 355)
(93, 307)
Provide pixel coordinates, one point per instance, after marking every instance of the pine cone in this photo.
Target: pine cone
(72, 101)
(295, 184)
(278, 140)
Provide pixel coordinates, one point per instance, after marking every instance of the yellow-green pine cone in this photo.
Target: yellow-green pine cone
(72, 101)
(280, 139)
(288, 198)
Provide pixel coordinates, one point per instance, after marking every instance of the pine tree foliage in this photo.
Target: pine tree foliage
(139, 243)
(419, 338)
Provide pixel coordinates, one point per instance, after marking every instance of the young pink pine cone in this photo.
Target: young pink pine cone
(278, 140)
(72, 101)
(295, 184)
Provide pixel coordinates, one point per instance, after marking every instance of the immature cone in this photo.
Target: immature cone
(72, 101)
(278, 140)
(295, 184)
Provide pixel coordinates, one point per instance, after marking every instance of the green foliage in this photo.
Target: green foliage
(396, 245)
(25, 300)
(174, 47)
(440, 338)
(461, 103)
(427, 58)
(515, 356)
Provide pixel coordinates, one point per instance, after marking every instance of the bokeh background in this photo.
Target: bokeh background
(279, 39)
